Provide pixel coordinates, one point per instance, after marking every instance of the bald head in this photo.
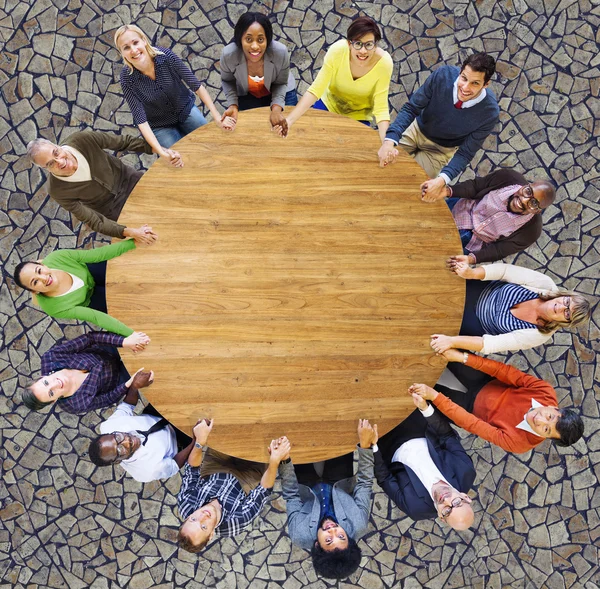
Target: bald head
(461, 518)
(544, 193)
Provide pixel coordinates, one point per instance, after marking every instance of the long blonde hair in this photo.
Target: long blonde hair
(152, 52)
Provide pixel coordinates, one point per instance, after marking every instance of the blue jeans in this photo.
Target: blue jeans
(320, 105)
(465, 234)
(167, 136)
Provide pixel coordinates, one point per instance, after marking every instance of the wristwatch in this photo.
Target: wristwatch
(199, 446)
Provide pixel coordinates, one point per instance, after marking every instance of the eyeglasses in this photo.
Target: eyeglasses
(56, 153)
(358, 45)
(532, 202)
(567, 304)
(121, 450)
(456, 502)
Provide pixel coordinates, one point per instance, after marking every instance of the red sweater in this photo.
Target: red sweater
(500, 405)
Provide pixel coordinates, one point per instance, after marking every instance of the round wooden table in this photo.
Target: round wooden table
(294, 286)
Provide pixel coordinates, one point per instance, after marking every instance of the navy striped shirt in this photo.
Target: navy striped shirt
(165, 101)
(494, 305)
(238, 509)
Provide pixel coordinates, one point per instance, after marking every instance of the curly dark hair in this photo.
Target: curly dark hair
(336, 564)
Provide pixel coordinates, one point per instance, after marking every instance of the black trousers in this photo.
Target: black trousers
(335, 469)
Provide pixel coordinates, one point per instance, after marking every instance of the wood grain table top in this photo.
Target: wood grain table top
(294, 286)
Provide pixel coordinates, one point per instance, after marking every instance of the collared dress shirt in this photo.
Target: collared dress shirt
(91, 354)
(238, 509)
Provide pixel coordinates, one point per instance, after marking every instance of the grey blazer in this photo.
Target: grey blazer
(351, 508)
(234, 72)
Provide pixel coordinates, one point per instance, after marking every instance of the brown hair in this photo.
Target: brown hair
(186, 543)
(361, 26)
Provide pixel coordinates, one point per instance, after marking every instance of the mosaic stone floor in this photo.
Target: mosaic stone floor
(65, 523)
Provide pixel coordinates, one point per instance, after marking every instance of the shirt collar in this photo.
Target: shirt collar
(524, 425)
(467, 103)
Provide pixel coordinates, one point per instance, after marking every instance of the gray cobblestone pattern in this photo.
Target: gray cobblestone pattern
(66, 523)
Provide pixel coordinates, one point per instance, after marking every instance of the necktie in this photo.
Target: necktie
(160, 424)
(458, 104)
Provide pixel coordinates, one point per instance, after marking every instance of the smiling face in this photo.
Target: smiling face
(529, 199)
(133, 49)
(452, 506)
(556, 310)
(49, 389)
(470, 84)
(55, 159)
(254, 42)
(38, 278)
(543, 421)
(331, 536)
(200, 526)
(367, 49)
(118, 446)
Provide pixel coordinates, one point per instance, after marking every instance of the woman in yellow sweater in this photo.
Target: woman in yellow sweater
(354, 80)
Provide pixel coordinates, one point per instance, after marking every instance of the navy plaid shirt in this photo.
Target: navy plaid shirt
(238, 509)
(165, 101)
(88, 352)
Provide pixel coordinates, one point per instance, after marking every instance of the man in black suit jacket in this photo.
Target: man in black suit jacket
(485, 205)
(423, 468)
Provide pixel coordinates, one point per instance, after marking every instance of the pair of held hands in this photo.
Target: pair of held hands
(279, 123)
(431, 191)
(280, 448)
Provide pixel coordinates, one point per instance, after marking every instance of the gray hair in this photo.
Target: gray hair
(34, 147)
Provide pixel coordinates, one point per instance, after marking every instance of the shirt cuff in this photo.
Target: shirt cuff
(428, 412)
(445, 177)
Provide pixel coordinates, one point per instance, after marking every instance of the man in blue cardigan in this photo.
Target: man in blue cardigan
(445, 122)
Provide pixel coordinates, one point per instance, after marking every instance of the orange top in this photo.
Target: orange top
(500, 405)
(257, 89)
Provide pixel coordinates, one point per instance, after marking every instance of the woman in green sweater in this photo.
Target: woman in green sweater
(63, 284)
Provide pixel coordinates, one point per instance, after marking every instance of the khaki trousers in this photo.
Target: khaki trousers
(429, 155)
(248, 473)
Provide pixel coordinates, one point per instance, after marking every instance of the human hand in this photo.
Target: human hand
(229, 118)
(419, 402)
(277, 118)
(202, 430)
(440, 343)
(279, 450)
(143, 236)
(460, 266)
(141, 379)
(172, 157)
(423, 391)
(136, 342)
(453, 355)
(387, 154)
(434, 189)
(282, 129)
(367, 433)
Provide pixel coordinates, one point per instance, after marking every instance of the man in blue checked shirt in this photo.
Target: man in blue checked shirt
(216, 505)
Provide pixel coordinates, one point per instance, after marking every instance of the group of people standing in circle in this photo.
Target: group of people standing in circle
(421, 464)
